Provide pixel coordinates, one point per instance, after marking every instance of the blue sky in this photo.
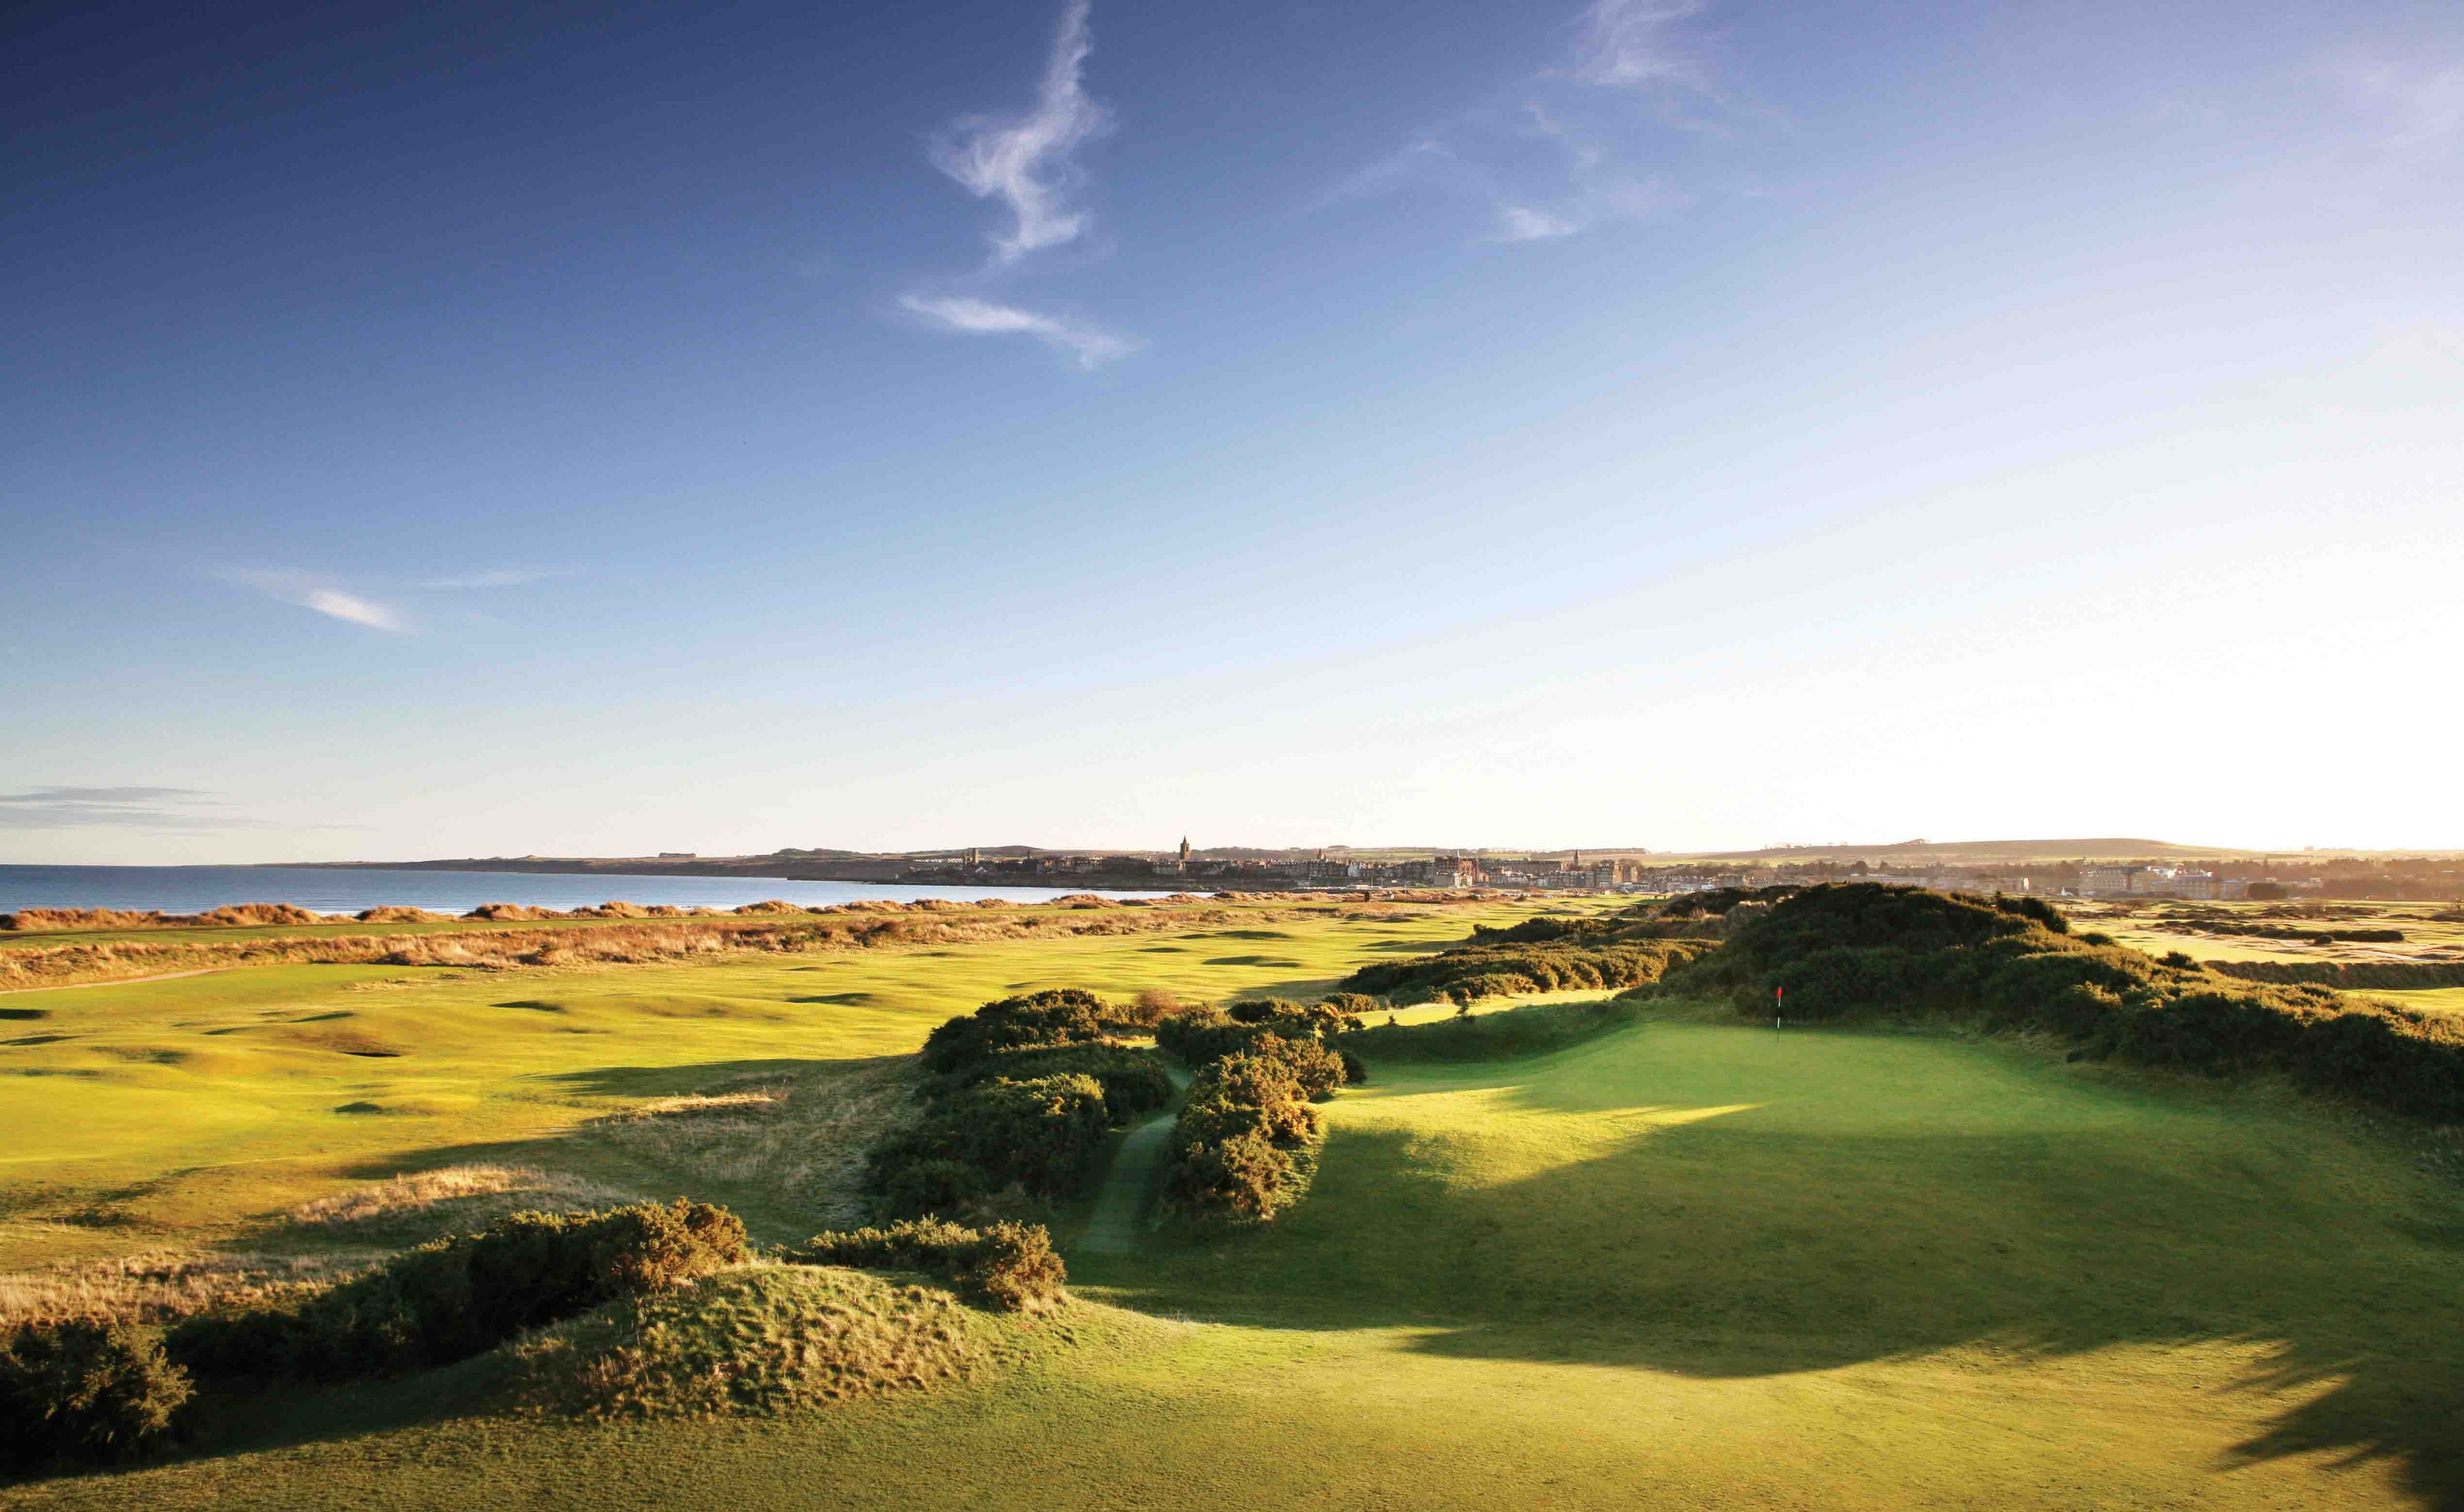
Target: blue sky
(464, 428)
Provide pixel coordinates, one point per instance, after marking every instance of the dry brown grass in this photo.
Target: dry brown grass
(230, 915)
(473, 1195)
(165, 1286)
(801, 1135)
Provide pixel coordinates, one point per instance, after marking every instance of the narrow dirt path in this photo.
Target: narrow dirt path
(1113, 1228)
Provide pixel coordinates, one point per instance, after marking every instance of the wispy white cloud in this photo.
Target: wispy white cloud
(60, 808)
(1091, 346)
(1024, 162)
(1541, 176)
(494, 577)
(355, 608)
(1523, 223)
(1637, 44)
(310, 594)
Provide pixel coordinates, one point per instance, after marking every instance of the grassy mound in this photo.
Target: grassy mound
(759, 1340)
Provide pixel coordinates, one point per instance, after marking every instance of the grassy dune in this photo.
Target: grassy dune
(1691, 1264)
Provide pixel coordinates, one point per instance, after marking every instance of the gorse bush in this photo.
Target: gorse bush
(1470, 972)
(1245, 1144)
(1862, 950)
(1133, 1080)
(1022, 1092)
(1010, 1266)
(1061, 1016)
(1200, 1035)
(459, 1296)
(1540, 930)
(1041, 1134)
(83, 1391)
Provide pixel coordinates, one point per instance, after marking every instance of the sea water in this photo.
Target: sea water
(346, 890)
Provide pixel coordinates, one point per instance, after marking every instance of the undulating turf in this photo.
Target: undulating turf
(1691, 1264)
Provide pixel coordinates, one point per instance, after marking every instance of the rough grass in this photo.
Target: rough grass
(798, 1133)
(454, 1198)
(763, 1339)
(165, 1287)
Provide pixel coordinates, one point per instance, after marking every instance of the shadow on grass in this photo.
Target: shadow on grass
(1739, 1246)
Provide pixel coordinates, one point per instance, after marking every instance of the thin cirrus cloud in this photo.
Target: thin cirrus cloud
(307, 593)
(1091, 347)
(1541, 175)
(1027, 164)
(60, 808)
(1640, 44)
(494, 577)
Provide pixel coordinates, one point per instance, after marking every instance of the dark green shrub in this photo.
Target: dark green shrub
(83, 1391)
(1259, 1010)
(1205, 1037)
(457, 1298)
(1468, 973)
(1355, 1071)
(1009, 1265)
(1133, 1080)
(1540, 929)
(1243, 1145)
(930, 1184)
(1041, 1133)
(1060, 1017)
(1243, 1179)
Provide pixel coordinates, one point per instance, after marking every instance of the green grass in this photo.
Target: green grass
(2435, 999)
(1693, 1264)
(192, 1110)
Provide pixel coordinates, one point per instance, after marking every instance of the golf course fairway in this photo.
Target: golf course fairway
(1692, 1263)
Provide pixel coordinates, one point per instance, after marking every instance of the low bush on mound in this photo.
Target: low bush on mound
(83, 1391)
(1863, 950)
(1532, 1029)
(460, 1296)
(1468, 973)
(758, 1340)
(1009, 1266)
